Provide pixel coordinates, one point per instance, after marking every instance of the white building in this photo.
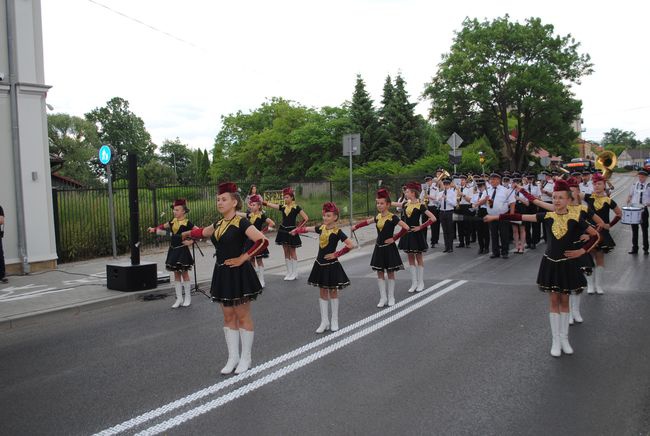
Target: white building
(25, 185)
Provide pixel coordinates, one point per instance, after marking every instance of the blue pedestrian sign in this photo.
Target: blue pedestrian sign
(105, 153)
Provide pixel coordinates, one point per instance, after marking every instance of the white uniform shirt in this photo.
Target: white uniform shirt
(547, 186)
(480, 195)
(587, 188)
(433, 192)
(533, 189)
(501, 200)
(449, 203)
(467, 192)
(640, 193)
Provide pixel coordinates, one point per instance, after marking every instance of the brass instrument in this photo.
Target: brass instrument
(565, 173)
(445, 174)
(606, 162)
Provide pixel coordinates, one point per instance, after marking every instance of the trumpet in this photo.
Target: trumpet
(445, 174)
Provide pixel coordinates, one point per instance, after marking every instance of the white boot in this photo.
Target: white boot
(335, 314)
(260, 275)
(575, 308)
(391, 292)
(246, 347)
(232, 343)
(420, 275)
(599, 279)
(571, 309)
(414, 278)
(554, 319)
(178, 287)
(590, 282)
(188, 294)
(564, 333)
(294, 269)
(289, 264)
(324, 319)
(382, 292)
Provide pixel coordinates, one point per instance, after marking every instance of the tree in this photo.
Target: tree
(365, 121)
(511, 82)
(178, 157)
(75, 140)
(620, 137)
(155, 173)
(125, 132)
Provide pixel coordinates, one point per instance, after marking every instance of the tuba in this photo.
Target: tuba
(606, 162)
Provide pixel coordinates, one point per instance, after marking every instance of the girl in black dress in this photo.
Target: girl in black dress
(385, 257)
(601, 204)
(559, 271)
(234, 282)
(179, 259)
(327, 272)
(290, 211)
(414, 243)
(258, 218)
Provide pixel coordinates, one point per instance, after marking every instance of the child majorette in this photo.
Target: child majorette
(179, 259)
(601, 204)
(258, 218)
(290, 211)
(559, 272)
(385, 257)
(234, 282)
(414, 243)
(327, 272)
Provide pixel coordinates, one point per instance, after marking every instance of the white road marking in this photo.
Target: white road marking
(169, 407)
(250, 387)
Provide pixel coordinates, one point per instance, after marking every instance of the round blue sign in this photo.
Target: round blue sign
(105, 154)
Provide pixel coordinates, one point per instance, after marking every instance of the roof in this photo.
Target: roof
(637, 153)
(67, 180)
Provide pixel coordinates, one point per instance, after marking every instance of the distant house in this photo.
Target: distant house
(588, 150)
(556, 161)
(59, 181)
(633, 157)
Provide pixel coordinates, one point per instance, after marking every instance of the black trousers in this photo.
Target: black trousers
(533, 230)
(2, 261)
(464, 227)
(435, 227)
(447, 223)
(543, 227)
(500, 237)
(482, 231)
(644, 231)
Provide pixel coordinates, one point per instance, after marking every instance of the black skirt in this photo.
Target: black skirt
(606, 243)
(328, 275)
(234, 286)
(414, 242)
(285, 238)
(179, 259)
(386, 258)
(247, 246)
(563, 276)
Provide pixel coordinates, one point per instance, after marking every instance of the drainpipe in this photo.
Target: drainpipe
(10, 11)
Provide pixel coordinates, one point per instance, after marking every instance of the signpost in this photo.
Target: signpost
(351, 146)
(105, 157)
(454, 142)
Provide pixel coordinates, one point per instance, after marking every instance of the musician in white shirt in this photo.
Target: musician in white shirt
(429, 196)
(499, 201)
(640, 196)
(482, 229)
(586, 187)
(533, 230)
(447, 199)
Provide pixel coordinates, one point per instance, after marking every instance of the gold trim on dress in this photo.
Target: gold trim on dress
(561, 222)
(325, 235)
(287, 208)
(252, 217)
(382, 220)
(176, 224)
(600, 201)
(222, 226)
(410, 207)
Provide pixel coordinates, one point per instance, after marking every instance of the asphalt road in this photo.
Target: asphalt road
(470, 355)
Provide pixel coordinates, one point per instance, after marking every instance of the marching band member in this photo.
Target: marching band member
(234, 282)
(546, 189)
(499, 202)
(414, 242)
(429, 197)
(522, 206)
(385, 257)
(532, 229)
(179, 259)
(479, 202)
(640, 196)
(327, 272)
(601, 204)
(258, 218)
(559, 273)
(464, 208)
(447, 199)
(586, 187)
(290, 211)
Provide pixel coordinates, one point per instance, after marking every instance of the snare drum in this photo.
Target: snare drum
(631, 215)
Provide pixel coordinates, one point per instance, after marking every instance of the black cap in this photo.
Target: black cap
(586, 172)
(480, 181)
(643, 172)
(439, 170)
(576, 173)
(495, 175)
(428, 177)
(463, 176)
(446, 180)
(544, 173)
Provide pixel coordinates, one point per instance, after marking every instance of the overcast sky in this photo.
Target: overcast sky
(223, 56)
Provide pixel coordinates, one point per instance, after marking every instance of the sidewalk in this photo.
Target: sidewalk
(81, 286)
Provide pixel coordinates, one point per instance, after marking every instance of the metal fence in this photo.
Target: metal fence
(82, 226)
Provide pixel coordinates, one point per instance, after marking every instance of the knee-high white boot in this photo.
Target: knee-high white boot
(188, 293)
(232, 343)
(178, 287)
(382, 292)
(414, 278)
(246, 348)
(554, 319)
(324, 319)
(575, 308)
(260, 275)
(294, 269)
(420, 276)
(391, 292)
(289, 264)
(334, 326)
(571, 309)
(564, 333)
(598, 272)
(590, 282)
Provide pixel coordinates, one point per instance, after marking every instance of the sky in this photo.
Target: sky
(182, 65)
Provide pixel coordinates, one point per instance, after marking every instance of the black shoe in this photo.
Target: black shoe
(433, 245)
(646, 252)
(467, 246)
(494, 256)
(460, 246)
(445, 251)
(4, 279)
(505, 255)
(533, 247)
(633, 251)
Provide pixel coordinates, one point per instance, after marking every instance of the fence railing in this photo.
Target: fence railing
(82, 226)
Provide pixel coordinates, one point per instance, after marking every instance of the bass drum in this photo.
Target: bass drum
(631, 215)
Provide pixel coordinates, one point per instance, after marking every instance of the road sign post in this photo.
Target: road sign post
(105, 158)
(351, 146)
(454, 142)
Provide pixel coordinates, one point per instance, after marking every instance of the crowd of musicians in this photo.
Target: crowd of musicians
(572, 216)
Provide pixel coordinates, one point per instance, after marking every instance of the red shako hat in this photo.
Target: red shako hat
(227, 187)
(383, 193)
(597, 177)
(179, 202)
(561, 185)
(287, 191)
(572, 182)
(330, 207)
(255, 199)
(414, 186)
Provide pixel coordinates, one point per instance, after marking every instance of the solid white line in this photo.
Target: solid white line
(169, 407)
(204, 408)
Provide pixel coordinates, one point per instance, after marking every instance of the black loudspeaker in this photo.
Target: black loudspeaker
(129, 278)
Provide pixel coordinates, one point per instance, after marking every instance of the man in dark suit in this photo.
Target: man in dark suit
(3, 279)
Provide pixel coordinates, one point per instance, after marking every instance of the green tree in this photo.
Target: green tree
(156, 173)
(125, 132)
(75, 140)
(512, 83)
(405, 131)
(365, 121)
(178, 157)
(620, 137)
